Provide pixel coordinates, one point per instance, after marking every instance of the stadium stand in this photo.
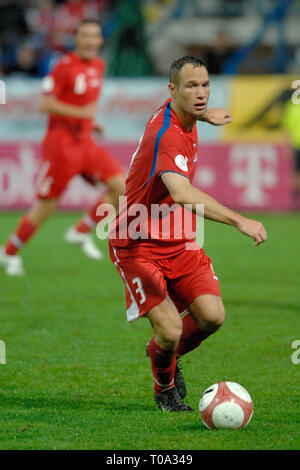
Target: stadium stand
(233, 36)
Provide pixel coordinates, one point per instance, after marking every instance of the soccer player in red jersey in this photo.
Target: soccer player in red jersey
(70, 97)
(165, 273)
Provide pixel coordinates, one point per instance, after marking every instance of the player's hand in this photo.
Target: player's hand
(218, 116)
(98, 128)
(253, 229)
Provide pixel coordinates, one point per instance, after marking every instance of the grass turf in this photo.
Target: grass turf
(77, 377)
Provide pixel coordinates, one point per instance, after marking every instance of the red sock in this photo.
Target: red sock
(163, 365)
(191, 336)
(91, 219)
(24, 232)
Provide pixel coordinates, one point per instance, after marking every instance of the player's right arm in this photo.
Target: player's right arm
(50, 104)
(183, 192)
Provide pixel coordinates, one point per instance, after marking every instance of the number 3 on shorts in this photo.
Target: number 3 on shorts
(139, 289)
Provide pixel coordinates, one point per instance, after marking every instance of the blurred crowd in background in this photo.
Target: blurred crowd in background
(143, 36)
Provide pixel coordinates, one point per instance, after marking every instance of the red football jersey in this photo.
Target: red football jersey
(76, 82)
(164, 147)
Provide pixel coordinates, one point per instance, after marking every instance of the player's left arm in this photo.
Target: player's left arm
(182, 192)
(217, 117)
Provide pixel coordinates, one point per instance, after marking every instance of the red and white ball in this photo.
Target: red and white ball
(226, 405)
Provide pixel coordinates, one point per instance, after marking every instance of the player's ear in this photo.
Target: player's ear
(172, 89)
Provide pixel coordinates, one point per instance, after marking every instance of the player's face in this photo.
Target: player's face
(88, 41)
(192, 92)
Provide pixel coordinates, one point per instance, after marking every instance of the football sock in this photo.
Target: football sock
(24, 232)
(163, 364)
(90, 220)
(192, 336)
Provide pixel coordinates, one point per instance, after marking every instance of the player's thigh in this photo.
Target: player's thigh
(193, 278)
(144, 282)
(100, 165)
(116, 184)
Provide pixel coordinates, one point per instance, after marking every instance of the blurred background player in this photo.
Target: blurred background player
(70, 97)
(164, 272)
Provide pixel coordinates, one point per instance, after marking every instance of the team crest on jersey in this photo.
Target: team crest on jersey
(181, 162)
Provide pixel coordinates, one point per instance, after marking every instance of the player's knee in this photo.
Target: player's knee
(209, 313)
(171, 336)
(215, 318)
(122, 186)
(117, 186)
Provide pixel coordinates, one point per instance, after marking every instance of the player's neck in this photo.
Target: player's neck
(186, 120)
(80, 56)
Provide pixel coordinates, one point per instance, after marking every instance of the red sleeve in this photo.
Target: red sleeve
(171, 156)
(55, 81)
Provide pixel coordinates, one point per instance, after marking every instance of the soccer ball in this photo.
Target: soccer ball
(226, 405)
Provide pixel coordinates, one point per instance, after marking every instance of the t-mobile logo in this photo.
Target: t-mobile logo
(2, 92)
(253, 170)
(2, 352)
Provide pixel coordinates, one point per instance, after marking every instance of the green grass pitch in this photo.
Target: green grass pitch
(76, 375)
